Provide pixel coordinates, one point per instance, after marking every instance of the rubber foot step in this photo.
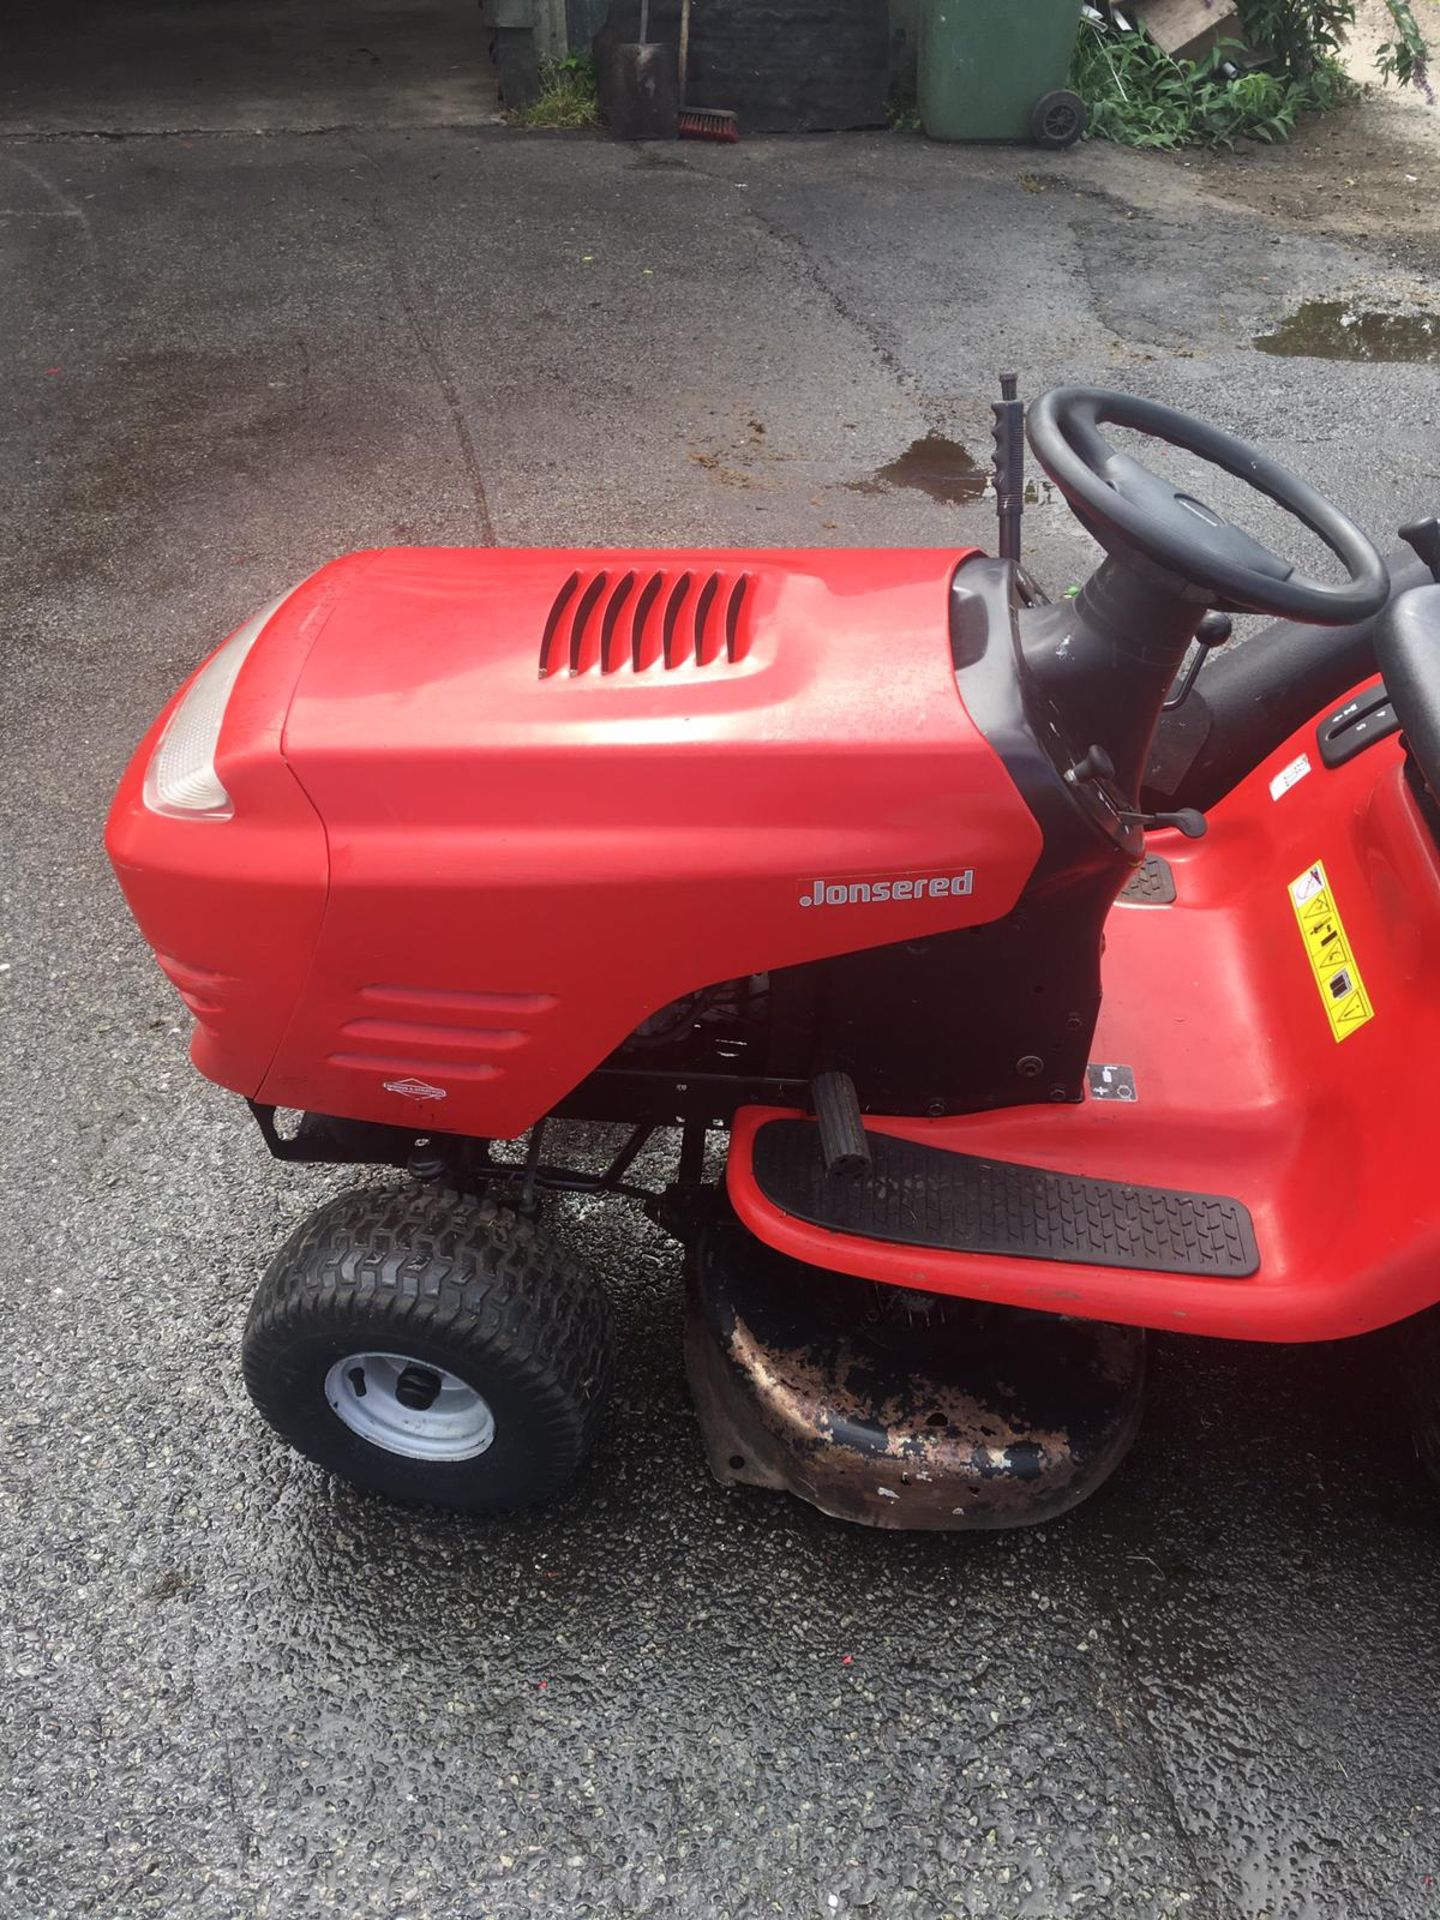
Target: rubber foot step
(1152, 884)
(922, 1196)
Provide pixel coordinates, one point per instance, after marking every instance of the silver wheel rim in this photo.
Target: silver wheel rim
(409, 1407)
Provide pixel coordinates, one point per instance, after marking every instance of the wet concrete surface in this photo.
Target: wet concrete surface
(234, 1688)
(937, 466)
(1341, 330)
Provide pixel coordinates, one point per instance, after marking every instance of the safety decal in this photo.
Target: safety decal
(1290, 776)
(1110, 1082)
(1342, 991)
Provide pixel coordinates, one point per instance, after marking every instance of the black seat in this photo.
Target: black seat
(1407, 648)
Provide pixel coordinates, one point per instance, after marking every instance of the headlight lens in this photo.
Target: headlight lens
(181, 778)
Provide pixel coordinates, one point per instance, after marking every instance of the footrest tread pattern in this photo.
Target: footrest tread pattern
(923, 1196)
(1152, 884)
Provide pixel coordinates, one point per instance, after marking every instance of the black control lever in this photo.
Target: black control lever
(843, 1144)
(1189, 821)
(1094, 764)
(1423, 538)
(1213, 631)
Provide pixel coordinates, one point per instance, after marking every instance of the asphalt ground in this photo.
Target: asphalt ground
(233, 1687)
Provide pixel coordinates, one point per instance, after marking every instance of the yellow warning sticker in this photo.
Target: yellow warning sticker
(1342, 991)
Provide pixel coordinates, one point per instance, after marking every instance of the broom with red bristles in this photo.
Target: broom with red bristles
(700, 123)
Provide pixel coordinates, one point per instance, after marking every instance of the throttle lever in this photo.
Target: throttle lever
(1189, 821)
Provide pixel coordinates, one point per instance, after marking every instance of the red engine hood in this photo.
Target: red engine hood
(559, 790)
(430, 655)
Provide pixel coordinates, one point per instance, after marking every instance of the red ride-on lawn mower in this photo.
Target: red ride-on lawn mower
(835, 851)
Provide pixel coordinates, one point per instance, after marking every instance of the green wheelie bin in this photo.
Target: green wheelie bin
(996, 70)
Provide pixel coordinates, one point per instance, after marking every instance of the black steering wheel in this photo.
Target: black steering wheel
(1129, 508)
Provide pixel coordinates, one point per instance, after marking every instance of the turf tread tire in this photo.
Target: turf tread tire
(455, 1281)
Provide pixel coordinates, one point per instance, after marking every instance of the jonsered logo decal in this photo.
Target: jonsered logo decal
(879, 888)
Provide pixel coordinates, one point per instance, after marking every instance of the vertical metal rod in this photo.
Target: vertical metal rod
(533, 1148)
(1009, 436)
(622, 1161)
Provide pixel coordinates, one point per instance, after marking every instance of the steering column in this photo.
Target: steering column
(1103, 662)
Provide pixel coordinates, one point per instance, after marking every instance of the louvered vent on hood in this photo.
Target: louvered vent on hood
(628, 622)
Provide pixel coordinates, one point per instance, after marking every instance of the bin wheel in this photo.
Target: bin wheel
(431, 1347)
(1058, 119)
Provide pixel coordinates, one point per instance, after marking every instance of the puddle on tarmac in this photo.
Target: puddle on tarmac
(1339, 330)
(937, 466)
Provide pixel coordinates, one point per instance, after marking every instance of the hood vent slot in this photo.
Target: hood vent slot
(631, 622)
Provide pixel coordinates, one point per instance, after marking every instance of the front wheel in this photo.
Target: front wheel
(431, 1347)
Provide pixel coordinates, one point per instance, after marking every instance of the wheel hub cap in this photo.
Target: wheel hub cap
(408, 1407)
